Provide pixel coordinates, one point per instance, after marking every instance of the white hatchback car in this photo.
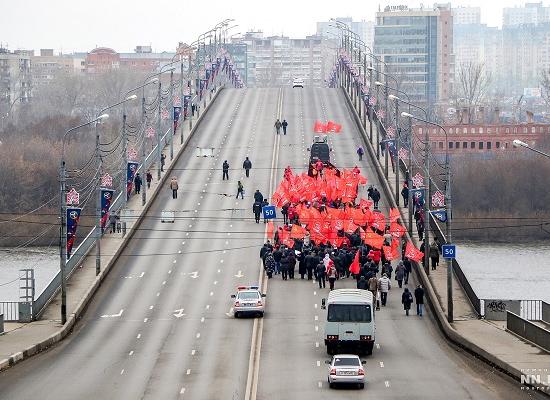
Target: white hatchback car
(248, 300)
(346, 368)
(298, 82)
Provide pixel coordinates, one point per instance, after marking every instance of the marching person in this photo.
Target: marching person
(269, 264)
(406, 300)
(162, 161)
(240, 190)
(258, 196)
(257, 210)
(331, 274)
(174, 186)
(419, 297)
(225, 168)
(434, 254)
(400, 273)
(137, 183)
(405, 194)
(360, 152)
(384, 284)
(247, 165)
(373, 287)
(408, 269)
(265, 203)
(149, 179)
(278, 126)
(320, 274)
(284, 125)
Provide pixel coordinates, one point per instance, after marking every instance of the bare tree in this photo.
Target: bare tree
(545, 85)
(472, 85)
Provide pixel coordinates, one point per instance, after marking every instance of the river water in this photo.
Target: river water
(499, 271)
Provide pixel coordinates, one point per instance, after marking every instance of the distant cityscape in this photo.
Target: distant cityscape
(425, 48)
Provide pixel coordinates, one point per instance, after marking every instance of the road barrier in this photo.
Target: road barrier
(9, 310)
(528, 330)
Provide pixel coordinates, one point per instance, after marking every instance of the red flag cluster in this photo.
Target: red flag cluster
(329, 127)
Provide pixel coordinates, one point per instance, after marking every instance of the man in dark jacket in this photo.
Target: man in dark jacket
(419, 298)
(408, 269)
(302, 263)
(362, 283)
(284, 125)
(265, 248)
(277, 256)
(257, 210)
(137, 183)
(225, 169)
(311, 264)
(320, 275)
(375, 197)
(285, 263)
(258, 196)
(405, 194)
(291, 263)
(247, 165)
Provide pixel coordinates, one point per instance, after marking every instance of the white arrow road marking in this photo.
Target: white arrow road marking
(193, 352)
(381, 364)
(194, 274)
(378, 345)
(138, 336)
(141, 276)
(182, 391)
(239, 274)
(188, 371)
(387, 383)
(113, 315)
(318, 363)
(179, 313)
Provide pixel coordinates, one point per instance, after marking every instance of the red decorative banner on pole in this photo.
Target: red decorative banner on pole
(73, 197)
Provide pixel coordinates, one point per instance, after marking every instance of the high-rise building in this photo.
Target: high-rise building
(531, 13)
(15, 77)
(363, 29)
(277, 60)
(47, 66)
(466, 15)
(416, 45)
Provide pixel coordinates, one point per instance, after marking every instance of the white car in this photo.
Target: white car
(298, 83)
(346, 368)
(248, 300)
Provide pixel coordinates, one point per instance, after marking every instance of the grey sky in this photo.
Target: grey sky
(76, 25)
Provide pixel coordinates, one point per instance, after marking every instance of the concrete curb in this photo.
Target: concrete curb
(84, 302)
(448, 331)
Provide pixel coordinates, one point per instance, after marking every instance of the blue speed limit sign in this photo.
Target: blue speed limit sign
(269, 212)
(449, 250)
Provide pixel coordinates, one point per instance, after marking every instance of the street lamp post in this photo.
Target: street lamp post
(519, 143)
(63, 212)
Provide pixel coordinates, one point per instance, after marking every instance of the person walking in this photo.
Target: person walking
(149, 179)
(400, 273)
(112, 222)
(278, 126)
(162, 161)
(332, 274)
(405, 194)
(419, 298)
(258, 196)
(434, 255)
(265, 203)
(174, 186)
(387, 269)
(320, 274)
(360, 153)
(257, 210)
(240, 190)
(406, 300)
(375, 196)
(362, 283)
(284, 211)
(384, 285)
(285, 262)
(277, 256)
(269, 264)
(301, 258)
(137, 183)
(284, 125)
(408, 269)
(247, 165)
(291, 263)
(373, 287)
(311, 264)
(225, 169)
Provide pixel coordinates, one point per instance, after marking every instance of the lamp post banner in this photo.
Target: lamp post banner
(441, 215)
(106, 200)
(177, 112)
(418, 196)
(130, 174)
(73, 217)
(186, 100)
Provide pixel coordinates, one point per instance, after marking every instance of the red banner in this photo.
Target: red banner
(412, 253)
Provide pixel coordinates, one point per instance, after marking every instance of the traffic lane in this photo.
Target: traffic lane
(91, 350)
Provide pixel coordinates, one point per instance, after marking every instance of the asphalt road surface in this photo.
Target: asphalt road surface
(161, 326)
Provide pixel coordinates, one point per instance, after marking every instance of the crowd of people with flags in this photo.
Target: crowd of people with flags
(332, 234)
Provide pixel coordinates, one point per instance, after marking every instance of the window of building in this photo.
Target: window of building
(451, 145)
(480, 129)
(506, 145)
(480, 145)
(472, 130)
(457, 145)
(489, 130)
(464, 145)
(472, 145)
(497, 145)
(489, 145)
(440, 145)
(524, 130)
(451, 130)
(533, 129)
(464, 130)
(507, 130)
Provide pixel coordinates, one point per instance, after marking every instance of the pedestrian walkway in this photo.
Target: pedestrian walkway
(21, 340)
(488, 339)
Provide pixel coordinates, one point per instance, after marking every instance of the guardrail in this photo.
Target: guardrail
(496, 309)
(528, 330)
(10, 310)
(546, 312)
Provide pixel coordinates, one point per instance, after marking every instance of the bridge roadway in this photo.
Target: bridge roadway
(160, 326)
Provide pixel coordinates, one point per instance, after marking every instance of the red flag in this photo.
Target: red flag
(373, 239)
(412, 253)
(354, 268)
(297, 232)
(394, 214)
(319, 127)
(269, 230)
(397, 230)
(391, 252)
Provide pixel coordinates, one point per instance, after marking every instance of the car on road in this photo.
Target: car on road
(298, 82)
(346, 369)
(248, 301)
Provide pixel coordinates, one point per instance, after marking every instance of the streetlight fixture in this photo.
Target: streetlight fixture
(63, 212)
(519, 143)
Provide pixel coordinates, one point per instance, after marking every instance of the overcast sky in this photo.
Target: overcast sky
(76, 25)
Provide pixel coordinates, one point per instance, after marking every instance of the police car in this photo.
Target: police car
(248, 300)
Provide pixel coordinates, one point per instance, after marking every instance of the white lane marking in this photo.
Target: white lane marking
(315, 305)
(316, 344)
(208, 306)
(219, 271)
(191, 225)
(145, 319)
(138, 336)
(158, 294)
(320, 384)
(141, 276)
(316, 328)
(316, 318)
(131, 353)
(151, 307)
(122, 372)
(175, 261)
(211, 293)
(186, 233)
(164, 282)
(318, 363)
(231, 225)
(202, 319)
(226, 242)
(179, 251)
(387, 383)
(239, 274)
(194, 274)
(215, 282)
(170, 271)
(314, 293)
(188, 371)
(182, 391)
(221, 261)
(182, 242)
(378, 345)
(381, 364)
(193, 352)
(225, 251)
(228, 233)
(198, 335)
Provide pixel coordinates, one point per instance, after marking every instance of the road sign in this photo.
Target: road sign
(449, 251)
(269, 212)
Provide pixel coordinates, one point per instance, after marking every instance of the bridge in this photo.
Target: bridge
(157, 323)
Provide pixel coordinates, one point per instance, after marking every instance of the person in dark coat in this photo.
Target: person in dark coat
(240, 190)
(284, 211)
(258, 196)
(149, 178)
(434, 255)
(311, 265)
(277, 256)
(162, 161)
(285, 262)
(405, 194)
(225, 169)
(362, 283)
(137, 183)
(375, 196)
(302, 263)
(408, 269)
(320, 275)
(269, 264)
(284, 125)
(419, 298)
(265, 248)
(387, 269)
(247, 165)
(406, 300)
(257, 210)
(291, 263)
(265, 203)
(278, 126)
(400, 273)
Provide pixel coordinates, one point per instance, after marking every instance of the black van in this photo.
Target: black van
(319, 150)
